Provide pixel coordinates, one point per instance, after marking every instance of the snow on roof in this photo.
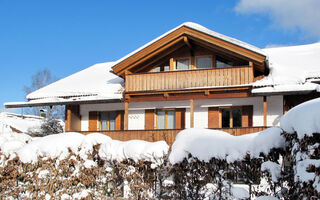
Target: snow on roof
(303, 119)
(10, 122)
(289, 66)
(206, 144)
(202, 29)
(97, 80)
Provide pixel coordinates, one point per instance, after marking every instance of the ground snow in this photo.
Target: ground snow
(206, 144)
(303, 119)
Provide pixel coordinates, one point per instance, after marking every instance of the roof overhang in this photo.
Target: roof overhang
(63, 102)
(180, 34)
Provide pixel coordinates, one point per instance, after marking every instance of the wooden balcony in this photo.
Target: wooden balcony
(168, 135)
(186, 79)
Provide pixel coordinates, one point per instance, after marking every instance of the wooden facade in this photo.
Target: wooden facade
(167, 135)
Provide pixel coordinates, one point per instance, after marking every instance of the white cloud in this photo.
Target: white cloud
(288, 14)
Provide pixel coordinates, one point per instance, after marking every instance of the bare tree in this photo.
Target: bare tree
(39, 80)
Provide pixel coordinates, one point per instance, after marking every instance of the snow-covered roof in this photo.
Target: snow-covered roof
(11, 122)
(292, 69)
(96, 81)
(202, 29)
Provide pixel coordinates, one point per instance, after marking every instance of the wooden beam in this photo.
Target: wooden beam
(126, 115)
(185, 39)
(206, 92)
(265, 107)
(191, 113)
(172, 65)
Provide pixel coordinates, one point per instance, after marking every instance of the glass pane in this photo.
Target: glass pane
(103, 120)
(161, 119)
(171, 119)
(225, 118)
(166, 68)
(203, 62)
(220, 64)
(182, 64)
(112, 121)
(156, 69)
(236, 117)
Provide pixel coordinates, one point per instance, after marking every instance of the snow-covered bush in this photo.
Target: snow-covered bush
(301, 127)
(51, 126)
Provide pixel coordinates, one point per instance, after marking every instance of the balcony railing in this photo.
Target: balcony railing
(175, 80)
(168, 135)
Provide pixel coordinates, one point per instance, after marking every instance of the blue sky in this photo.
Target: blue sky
(68, 36)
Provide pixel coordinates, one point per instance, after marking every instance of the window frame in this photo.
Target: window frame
(230, 117)
(165, 118)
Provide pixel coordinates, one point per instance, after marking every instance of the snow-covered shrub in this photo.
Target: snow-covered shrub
(51, 126)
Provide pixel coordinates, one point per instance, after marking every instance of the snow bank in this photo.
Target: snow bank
(206, 144)
(58, 145)
(303, 119)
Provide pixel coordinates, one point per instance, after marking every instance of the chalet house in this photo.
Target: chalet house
(188, 77)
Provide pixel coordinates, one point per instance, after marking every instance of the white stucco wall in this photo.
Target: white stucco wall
(274, 110)
(137, 110)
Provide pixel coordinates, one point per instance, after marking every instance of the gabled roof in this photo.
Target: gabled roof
(193, 30)
(96, 81)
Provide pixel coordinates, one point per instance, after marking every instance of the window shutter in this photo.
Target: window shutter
(120, 120)
(180, 118)
(213, 117)
(247, 112)
(149, 119)
(93, 121)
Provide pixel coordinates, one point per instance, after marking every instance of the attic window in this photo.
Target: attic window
(203, 62)
(183, 64)
(222, 64)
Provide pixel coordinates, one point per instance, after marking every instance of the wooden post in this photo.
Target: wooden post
(126, 115)
(67, 118)
(191, 113)
(265, 107)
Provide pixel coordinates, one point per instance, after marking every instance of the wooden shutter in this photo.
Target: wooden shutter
(213, 117)
(93, 121)
(149, 119)
(247, 112)
(120, 120)
(180, 118)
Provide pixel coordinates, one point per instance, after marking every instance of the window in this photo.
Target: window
(107, 121)
(165, 119)
(183, 64)
(231, 117)
(203, 62)
(161, 68)
(221, 64)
